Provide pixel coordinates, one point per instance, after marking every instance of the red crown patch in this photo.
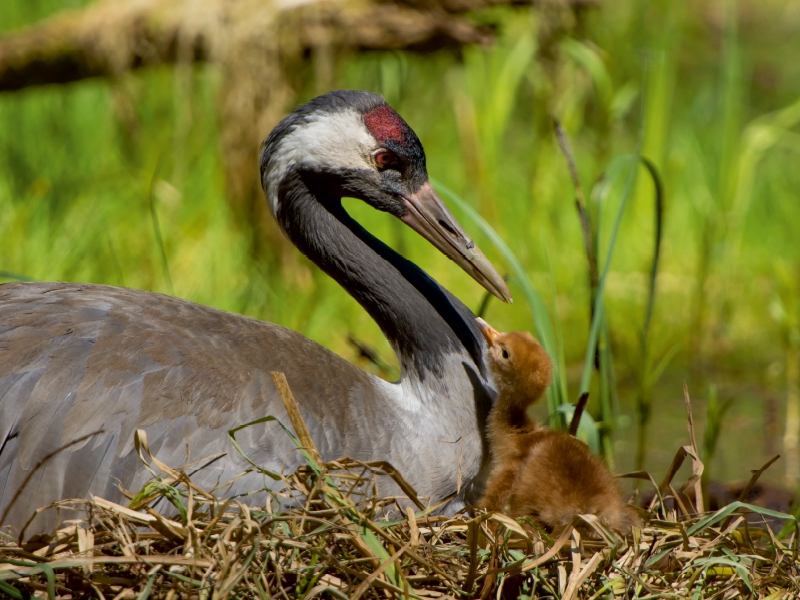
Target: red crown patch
(386, 125)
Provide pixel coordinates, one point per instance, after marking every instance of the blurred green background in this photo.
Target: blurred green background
(122, 182)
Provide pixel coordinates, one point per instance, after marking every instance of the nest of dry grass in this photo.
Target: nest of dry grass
(339, 544)
(343, 539)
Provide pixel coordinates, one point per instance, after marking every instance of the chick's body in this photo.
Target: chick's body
(548, 475)
(561, 478)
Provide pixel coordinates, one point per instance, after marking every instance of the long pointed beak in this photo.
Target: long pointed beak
(429, 217)
(489, 332)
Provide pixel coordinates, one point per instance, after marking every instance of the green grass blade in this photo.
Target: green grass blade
(658, 186)
(157, 232)
(15, 276)
(609, 402)
(733, 506)
(588, 362)
(561, 359)
(48, 572)
(145, 593)
(13, 592)
(267, 472)
(541, 317)
(737, 567)
(590, 60)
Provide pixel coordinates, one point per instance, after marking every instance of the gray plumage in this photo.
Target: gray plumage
(79, 358)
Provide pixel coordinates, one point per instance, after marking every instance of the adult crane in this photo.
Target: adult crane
(76, 359)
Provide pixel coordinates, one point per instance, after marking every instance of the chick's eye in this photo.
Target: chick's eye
(385, 159)
(504, 354)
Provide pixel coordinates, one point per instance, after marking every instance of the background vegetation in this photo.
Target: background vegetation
(122, 183)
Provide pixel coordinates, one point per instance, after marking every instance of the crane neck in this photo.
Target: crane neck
(422, 321)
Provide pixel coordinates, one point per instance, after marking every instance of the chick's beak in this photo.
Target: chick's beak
(489, 332)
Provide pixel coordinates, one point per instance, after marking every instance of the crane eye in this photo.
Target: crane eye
(385, 158)
(504, 354)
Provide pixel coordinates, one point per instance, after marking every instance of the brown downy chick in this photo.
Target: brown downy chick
(522, 371)
(548, 475)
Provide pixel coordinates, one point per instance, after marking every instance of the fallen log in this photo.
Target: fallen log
(115, 36)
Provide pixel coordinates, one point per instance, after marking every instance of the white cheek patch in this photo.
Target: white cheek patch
(329, 140)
